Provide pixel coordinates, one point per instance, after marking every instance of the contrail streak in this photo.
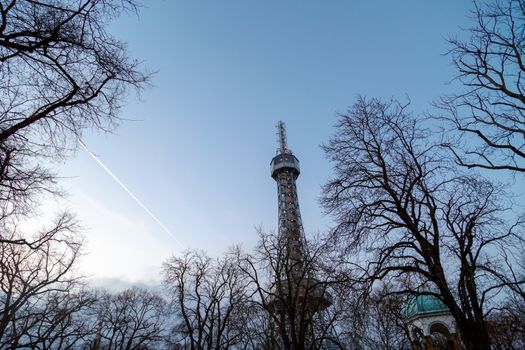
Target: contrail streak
(128, 191)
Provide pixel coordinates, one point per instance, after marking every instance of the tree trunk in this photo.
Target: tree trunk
(474, 335)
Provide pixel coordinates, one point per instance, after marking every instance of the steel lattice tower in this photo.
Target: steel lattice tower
(297, 294)
(285, 171)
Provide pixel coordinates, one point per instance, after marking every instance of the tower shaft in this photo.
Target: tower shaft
(296, 294)
(290, 228)
(285, 171)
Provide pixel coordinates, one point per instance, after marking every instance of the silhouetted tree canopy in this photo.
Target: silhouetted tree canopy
(489, 110)
(404, 209)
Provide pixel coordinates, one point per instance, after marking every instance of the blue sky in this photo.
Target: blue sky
(199, 143)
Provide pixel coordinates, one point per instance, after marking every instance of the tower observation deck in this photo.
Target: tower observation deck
(294, 282)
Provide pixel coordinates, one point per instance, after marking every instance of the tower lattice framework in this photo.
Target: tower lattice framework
(285, 171)
(297, 295)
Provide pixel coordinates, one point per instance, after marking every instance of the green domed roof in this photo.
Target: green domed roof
(424, 304)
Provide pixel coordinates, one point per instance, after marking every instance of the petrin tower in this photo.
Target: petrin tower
(297, 294)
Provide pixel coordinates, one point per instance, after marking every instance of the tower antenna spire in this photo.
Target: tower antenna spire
(281, 132)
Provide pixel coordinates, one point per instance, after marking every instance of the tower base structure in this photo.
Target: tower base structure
(308, 295)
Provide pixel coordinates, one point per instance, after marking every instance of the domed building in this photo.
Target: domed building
(430, 323)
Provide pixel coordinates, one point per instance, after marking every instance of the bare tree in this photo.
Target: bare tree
(401, 208)
(61, 70)
(30, 277)
(385, 320)
(61, 73)
(489, 113)
(207, 296)
(507, 326)
(61, 320)
(135, 319)
(20, 181)
(372, 319)
(296, 300)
